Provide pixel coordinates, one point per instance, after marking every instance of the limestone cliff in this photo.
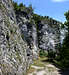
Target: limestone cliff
(49, 35)
(38, 31)
(13, 57)
(28, 31)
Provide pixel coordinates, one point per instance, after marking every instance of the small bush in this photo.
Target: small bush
(43, 53)
(51, 54)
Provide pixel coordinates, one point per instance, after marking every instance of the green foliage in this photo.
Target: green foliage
(22, 7)
(67, 15)
(67, 20)
(43, 53)
(51, 54)
(37, 18)
(64, 52)
(16, 7)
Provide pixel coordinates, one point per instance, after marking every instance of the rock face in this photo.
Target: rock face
(49, 35)
(13, 55)
(44, 34)
(28, 31)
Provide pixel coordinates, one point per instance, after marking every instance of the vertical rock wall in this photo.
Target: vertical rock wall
(28, 31)
(13, 57)
(49, 35)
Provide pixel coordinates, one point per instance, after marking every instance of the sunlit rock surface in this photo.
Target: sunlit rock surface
(13, 56)
(28, 31)
(49, 35)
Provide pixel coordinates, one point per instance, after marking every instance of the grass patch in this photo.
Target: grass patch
(39, 62)
(59, 64)
(30, 70)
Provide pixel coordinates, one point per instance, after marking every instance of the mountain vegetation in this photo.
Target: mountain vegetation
(64, 51)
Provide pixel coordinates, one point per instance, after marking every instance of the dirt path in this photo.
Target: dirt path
(44, 67)
(49, 69)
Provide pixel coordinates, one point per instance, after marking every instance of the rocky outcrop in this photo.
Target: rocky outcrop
(38, 32)
(28, 31)
(49, 35)
(13, 56)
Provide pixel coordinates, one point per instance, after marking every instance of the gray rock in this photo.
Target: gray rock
(13, 56)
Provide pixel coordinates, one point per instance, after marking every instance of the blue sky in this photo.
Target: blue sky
(52, 8)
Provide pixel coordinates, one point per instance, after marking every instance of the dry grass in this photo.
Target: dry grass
(30, 70)
(39, 62)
